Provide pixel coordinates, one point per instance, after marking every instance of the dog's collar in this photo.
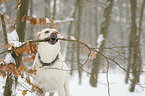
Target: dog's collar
(47, 64)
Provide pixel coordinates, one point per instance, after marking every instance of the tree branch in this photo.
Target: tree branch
(74, 41)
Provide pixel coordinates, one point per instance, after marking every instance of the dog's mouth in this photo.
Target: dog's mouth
(53, 39)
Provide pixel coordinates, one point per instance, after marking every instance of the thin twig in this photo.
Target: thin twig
(107, 76)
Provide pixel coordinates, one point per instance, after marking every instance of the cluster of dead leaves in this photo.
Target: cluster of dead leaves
(34, 21)
(12, 69)
(20, 72)
(5, 1)
(29, 48)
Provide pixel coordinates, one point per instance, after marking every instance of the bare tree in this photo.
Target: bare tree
(140, 61)
(69, 32)
(21, 29)
(8, 84)
(47, 8)
(78, 29)
(134, 64)
(104, 31)
(54, 10)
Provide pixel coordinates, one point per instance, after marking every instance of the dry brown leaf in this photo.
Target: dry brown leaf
(28, 44)
(51, 21)
(40, 21)
(9, 45)
(3, 73)
(28, 79)
(119, 52)
(95, 77)
(44, 21)
(23, 18)
(27, 50)
(3, 87)
(24, 92)
(94, 54)
(1, 65)
(24, 68)
(15, 73)
(138, 54)
(106, 67)
(16, 7)
(33, 21)
(32, 71)
(24, 48)
(17, 52)
(20, 68)
(32, 89)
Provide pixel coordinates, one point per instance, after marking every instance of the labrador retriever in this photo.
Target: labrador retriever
(52, 71)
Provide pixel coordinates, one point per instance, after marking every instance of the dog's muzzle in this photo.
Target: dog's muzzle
(53, 38)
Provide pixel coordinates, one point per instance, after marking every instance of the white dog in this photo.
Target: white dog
(51, 72)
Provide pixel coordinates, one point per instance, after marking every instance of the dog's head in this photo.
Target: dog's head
(51, 34)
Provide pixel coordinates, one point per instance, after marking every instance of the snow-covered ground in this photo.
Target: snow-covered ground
(117, 86)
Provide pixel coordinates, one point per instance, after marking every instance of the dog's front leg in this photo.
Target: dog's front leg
(61, 91)
(66, 86)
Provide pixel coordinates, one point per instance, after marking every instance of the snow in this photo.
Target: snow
(14, 39)
(117, 86)
(60, 21)
(2, 8)
(9, 59)
(19, 6)
(13, 36)
(99, 40)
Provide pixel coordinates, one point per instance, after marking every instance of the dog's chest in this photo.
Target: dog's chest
(50, 78)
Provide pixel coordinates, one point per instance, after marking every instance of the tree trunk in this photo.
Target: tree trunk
(135, 45)
(104, 31)
(78, 30)
(8, 84)
(21, 28)
(31, 26)
(69, 32)
(129, 60)
(140, 61)
(54, 10)
(47, 8)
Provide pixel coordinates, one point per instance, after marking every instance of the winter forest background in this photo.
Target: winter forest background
(104, 44)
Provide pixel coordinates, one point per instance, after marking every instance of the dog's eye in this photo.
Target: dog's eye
(56, 32)
(47, 32)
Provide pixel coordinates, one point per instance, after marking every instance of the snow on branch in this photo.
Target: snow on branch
(60, 21)
(34, 20)
(99, 40)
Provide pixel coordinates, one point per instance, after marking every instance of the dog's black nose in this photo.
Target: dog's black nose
(53, 35)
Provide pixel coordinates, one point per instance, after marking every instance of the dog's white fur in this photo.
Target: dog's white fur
(51, 78)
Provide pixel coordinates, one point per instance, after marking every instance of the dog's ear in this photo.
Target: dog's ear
(38, 36)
